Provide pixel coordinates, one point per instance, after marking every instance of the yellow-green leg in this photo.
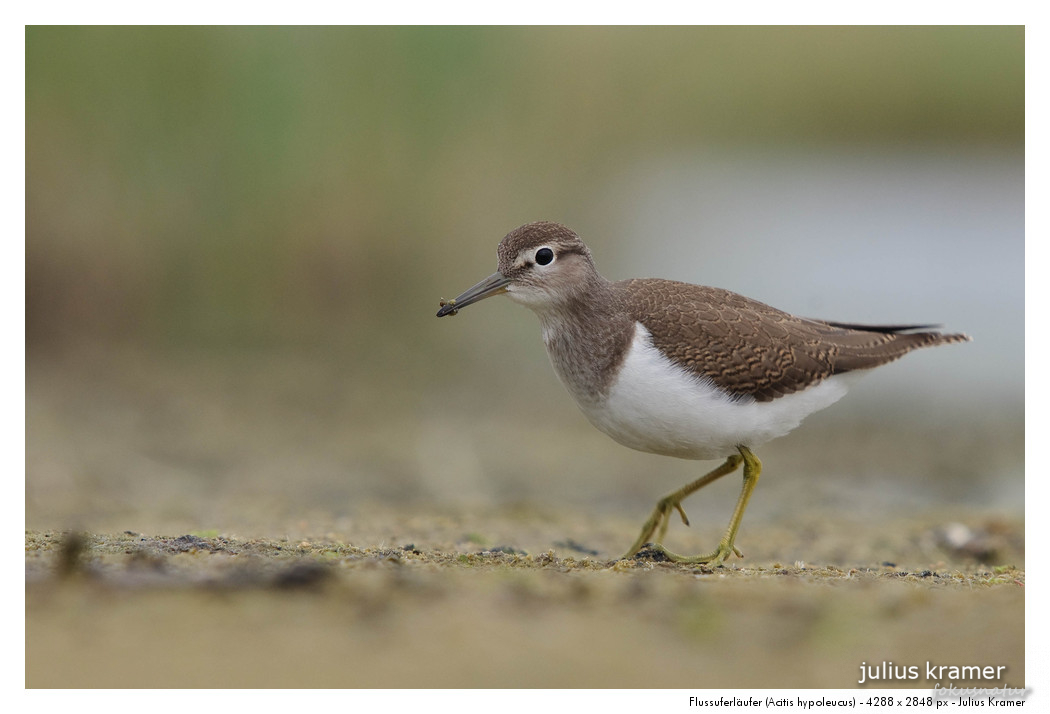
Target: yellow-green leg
(661, 516)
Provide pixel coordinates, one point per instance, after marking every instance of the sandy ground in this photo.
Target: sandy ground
(517, 598)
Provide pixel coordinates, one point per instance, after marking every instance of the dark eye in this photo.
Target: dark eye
(544, 256)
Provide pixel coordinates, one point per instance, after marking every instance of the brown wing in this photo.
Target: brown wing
(748, 348)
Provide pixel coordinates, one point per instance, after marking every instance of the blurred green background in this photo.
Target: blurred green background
(236, 239)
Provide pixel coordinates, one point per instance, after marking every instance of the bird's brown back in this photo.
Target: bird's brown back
(748, 348)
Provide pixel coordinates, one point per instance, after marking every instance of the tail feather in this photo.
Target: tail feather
(863, 348)
(889, 329)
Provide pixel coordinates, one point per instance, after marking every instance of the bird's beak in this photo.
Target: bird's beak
(492, 285)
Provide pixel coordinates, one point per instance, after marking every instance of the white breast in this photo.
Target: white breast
(658, 407)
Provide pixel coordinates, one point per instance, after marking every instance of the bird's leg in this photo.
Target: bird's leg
(752, 470)
(662, 513)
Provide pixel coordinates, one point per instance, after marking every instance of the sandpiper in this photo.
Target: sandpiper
(683, 370)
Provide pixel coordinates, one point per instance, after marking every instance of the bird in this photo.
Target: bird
(683, 370)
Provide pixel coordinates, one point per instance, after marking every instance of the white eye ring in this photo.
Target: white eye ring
(544, 256)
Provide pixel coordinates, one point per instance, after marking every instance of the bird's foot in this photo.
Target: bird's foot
(658, 553)
(658, 522)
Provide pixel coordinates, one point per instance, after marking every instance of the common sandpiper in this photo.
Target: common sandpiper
(683, 370)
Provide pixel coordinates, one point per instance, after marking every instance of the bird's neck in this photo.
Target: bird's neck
(587, 336)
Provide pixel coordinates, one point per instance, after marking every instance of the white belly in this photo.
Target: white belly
(658, 407)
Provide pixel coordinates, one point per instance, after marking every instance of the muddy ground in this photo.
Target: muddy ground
(520, 598)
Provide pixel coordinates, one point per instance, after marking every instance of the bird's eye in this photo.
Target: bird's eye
(544, 256)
